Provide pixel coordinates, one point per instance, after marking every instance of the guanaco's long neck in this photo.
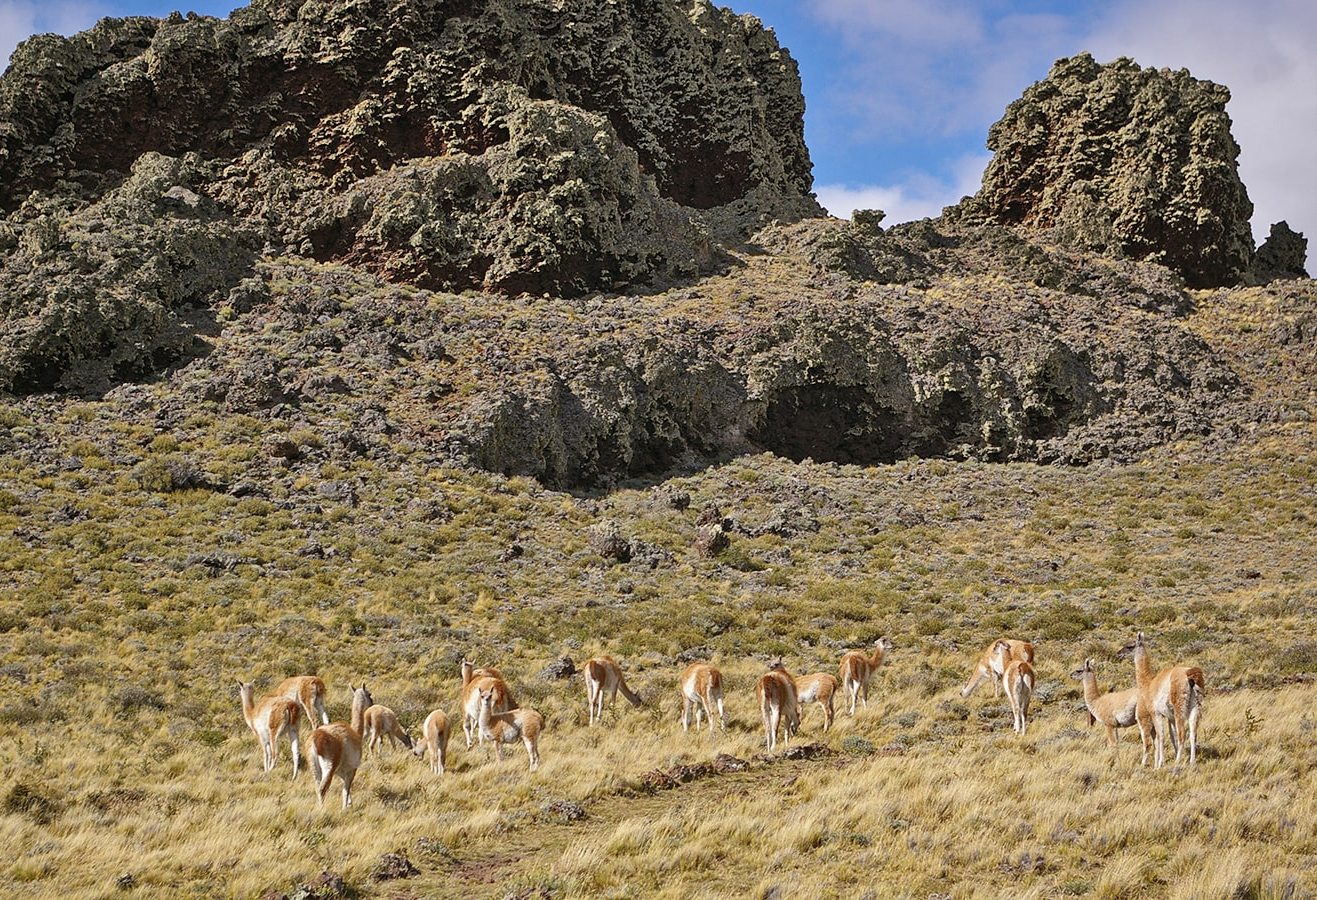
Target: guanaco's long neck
(1090, 688)
(467, 668)
(877, 659)
(1142, 666)
(358, 711)
(248, 706)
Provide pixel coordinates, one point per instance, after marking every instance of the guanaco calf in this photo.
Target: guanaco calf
(434, 740)
(268, 720)
(309, 692)
(991, 666)
(603, 679)
(857, 668)
(779, 704)
(335, 749)
(1173, 697)
(382, 722)
(1115, 710)
(509, 727)
(1018, 680)
(702, 690)
(818, 688)
(474, 680)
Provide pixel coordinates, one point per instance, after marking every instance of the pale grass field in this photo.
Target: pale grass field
(968, 809)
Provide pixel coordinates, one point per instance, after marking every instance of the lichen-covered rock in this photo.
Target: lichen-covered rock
(509, 145)
(1282, 255)
(1118, 158)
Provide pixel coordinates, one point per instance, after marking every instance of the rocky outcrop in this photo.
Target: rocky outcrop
(1120, 159)
(504, 145)
(1282, 255)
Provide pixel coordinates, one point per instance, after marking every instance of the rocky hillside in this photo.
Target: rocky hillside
(279, 212)
(507, 146)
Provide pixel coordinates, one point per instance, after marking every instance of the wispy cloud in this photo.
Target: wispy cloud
(919, 196)
(20, 19)
(1263, 51)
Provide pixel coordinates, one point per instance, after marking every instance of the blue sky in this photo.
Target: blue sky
(900, 93)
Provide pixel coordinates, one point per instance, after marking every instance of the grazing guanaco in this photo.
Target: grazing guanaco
(475, 680)
(857, 668)
(989, 666)
(820, 688)
(335, 749)
(1018, 681)
(309, 692)
(509, 727)
(603, 679)
(778, 703)
(702, 690)
(1115, 710)
(1173, 697)
(382, 722)
(434, 740)
(268, 719)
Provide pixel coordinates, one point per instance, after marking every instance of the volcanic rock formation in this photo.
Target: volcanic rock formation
(504, 145)
(1120, 159)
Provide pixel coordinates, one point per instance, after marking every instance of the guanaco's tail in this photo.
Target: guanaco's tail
(715, 688)
(1197, 682)
(323, 745)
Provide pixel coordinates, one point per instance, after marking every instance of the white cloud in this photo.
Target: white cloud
(20, 19)
(918, 196)
(1262, 51)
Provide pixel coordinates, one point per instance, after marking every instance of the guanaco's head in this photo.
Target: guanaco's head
(362, 696)
(487, 699)
(1082, 672)
(1001, 648)
(245, 690)
(1130, 649)
(885, 644)
(777, 666)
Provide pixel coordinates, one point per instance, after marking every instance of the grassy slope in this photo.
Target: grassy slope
(123, 750)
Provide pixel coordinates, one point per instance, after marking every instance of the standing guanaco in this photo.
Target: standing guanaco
(434, 740)
(382, 722)
(778, 704)
(335, 749)
(818, 688)
(475, 680)
(857, 668)
(603, 679)
(309, 692)
(1115, 710)
(702, 690)
(989, 665)
(1172, 698)
(268, 720)
(507, 727)
(1018, 681)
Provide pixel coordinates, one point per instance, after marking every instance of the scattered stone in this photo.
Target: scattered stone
(392, 866)
(126, 882)
(562, 812)
(558, 670)
(710, 540)
(808, 751)
(725, 764)
(606, 539)
(511, 551)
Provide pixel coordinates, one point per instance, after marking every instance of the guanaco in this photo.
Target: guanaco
(434, 740)
(603, 679)
(1018, 681)
(309, 692)
(988, 665)
(335, 749)
(474, 680)
(778, 703)
(1115, 710)
(857, 668)
(1173, 697)
(702, 690)
(382, 722)
(269, 719)
(507, 727)
(820, 688)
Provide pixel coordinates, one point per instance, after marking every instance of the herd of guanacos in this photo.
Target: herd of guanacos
(1168, 701)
